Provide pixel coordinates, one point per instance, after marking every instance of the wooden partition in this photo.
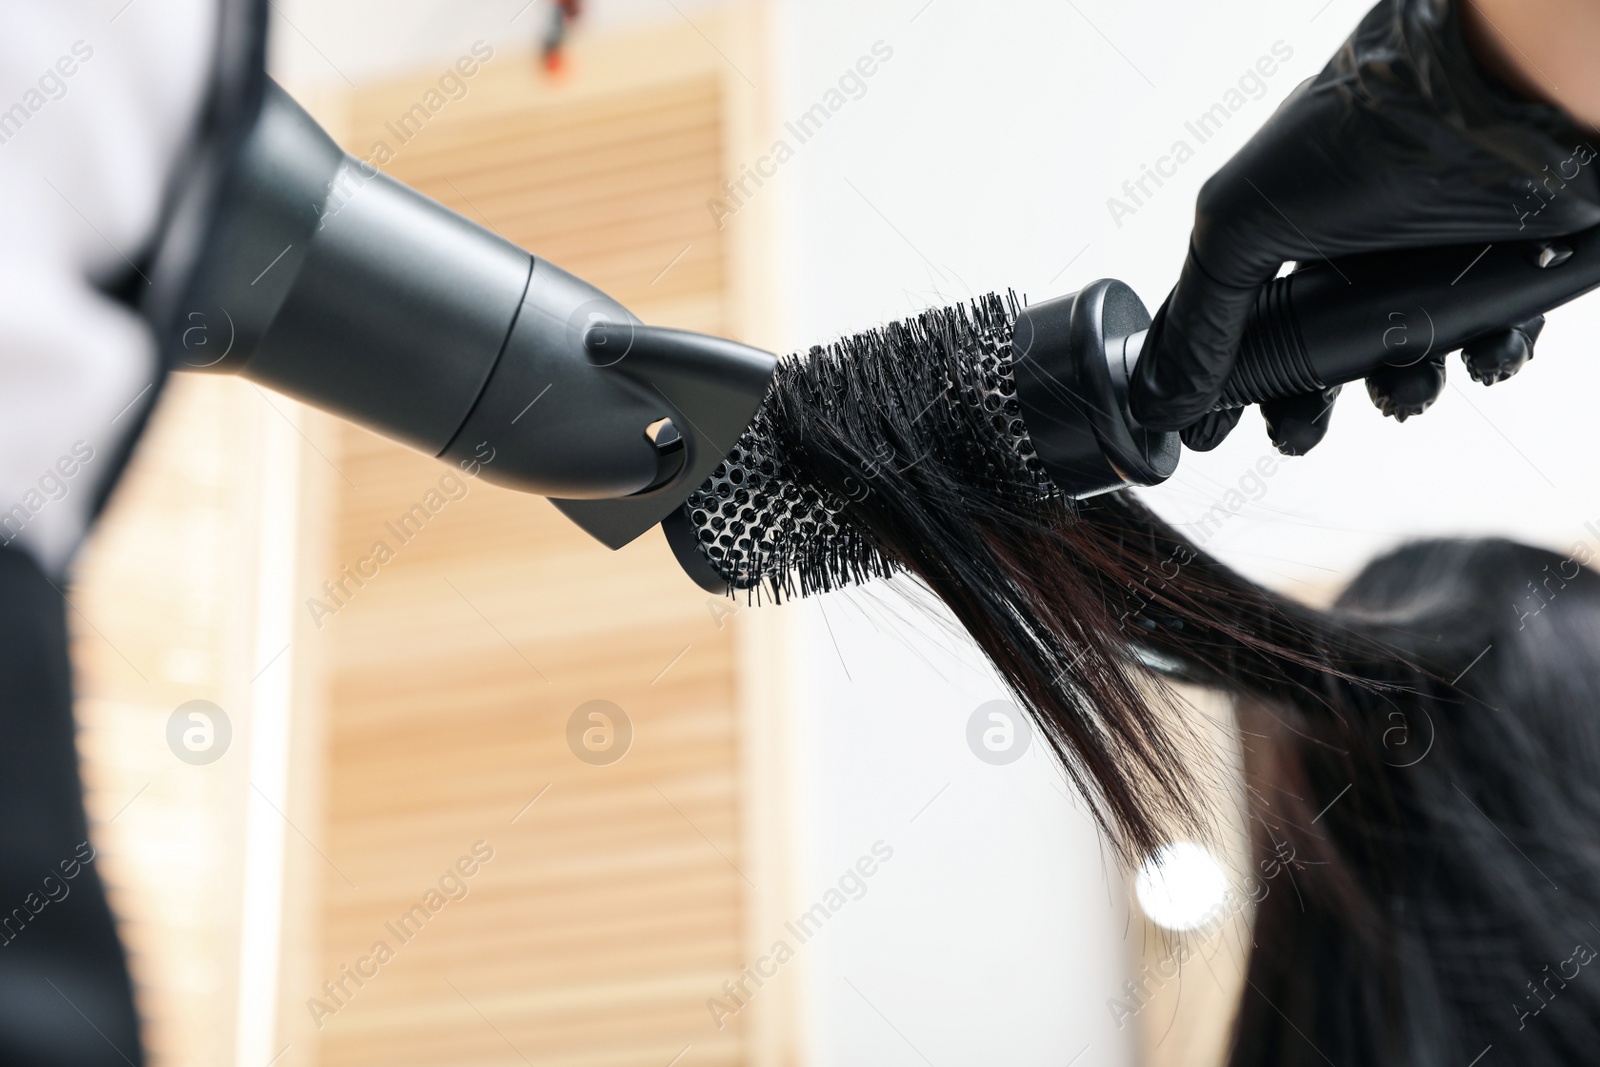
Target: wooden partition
(402, 770)
(494, 891)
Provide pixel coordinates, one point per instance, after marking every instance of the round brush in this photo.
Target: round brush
(1020, 410)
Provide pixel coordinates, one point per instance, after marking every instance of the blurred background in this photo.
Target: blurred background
(496, 795)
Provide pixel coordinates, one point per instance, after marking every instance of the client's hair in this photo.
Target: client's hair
(1447, 893)
(1423, 760)
(1424, 749)
(903, 449)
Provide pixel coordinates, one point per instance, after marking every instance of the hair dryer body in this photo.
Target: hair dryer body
(326, 280)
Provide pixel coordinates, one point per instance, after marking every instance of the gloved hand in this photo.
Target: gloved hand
(1402, 141)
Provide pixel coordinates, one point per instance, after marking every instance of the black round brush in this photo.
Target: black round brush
(927, 406)
(973, 447)
(1021, 410)
(905, 449)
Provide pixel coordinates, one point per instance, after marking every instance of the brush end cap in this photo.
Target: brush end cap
(1073, 358)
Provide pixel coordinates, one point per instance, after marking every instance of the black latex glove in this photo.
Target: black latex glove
(1402, 141)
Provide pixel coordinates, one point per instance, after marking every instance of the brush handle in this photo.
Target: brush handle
(1335, 321)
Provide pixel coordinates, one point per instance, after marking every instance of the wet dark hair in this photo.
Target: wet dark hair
(1428, 894)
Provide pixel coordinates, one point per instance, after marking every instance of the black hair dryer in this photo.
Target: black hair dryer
(328, 281)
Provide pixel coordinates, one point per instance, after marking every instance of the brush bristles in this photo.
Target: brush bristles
(903, 449)
(935, 392)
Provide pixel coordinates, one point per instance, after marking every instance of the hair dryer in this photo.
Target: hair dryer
(324, 279)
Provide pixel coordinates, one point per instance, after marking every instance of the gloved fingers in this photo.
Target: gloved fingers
(1297, 423)
(1497, 356)
(1401, 392)
(1208, 432)
(1190, 348)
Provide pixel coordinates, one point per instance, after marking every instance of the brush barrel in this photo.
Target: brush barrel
(1334, 322)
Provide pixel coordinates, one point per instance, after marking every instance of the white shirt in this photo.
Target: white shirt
(97, 100)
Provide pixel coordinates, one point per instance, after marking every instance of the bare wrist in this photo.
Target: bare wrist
(1539, 50)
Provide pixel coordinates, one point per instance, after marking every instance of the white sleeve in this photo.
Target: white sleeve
(96, 102)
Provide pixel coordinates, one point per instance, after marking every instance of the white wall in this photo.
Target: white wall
(991, 143)
(998, 930)
(980, 158)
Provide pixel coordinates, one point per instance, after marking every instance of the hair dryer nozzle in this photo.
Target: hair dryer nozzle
(714, 386)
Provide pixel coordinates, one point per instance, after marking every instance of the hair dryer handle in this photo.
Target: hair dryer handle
(1335, 321)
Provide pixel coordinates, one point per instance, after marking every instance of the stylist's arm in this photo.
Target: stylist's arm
(1438, 122)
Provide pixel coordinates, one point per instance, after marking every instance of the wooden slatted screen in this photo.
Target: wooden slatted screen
(614, 904)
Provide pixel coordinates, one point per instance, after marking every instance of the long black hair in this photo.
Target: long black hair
(1443, 903)
(903, 450)
(1450, 895)
(1425, 754)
